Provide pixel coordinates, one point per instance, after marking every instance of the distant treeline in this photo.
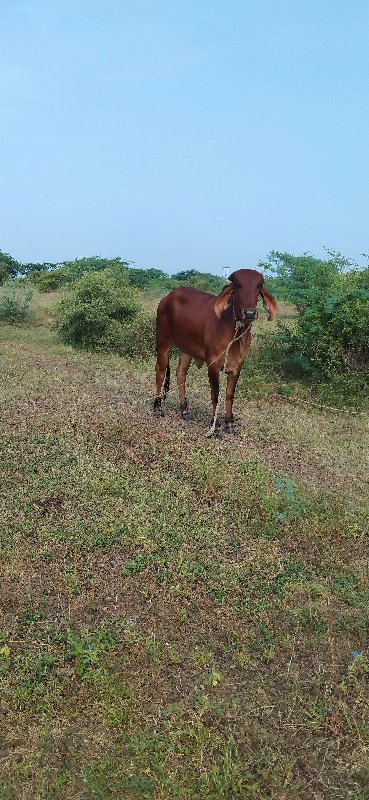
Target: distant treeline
(49, 277)
(285, 274)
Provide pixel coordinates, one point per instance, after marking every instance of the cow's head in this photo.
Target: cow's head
(243, 290)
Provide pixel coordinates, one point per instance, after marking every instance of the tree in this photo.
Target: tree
(9, 267)
(200, 280)
(44, 266)
(148, 278)
(302, 279)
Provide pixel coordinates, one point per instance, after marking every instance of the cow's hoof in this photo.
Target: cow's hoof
(215, 436)
(183, 407)
(216, 433)
(231, 429)
(158, 412)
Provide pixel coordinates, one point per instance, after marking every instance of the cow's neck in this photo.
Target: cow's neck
(237, 327)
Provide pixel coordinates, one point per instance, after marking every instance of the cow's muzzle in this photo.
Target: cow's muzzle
(250, 314)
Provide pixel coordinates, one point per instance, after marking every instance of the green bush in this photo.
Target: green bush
(330, 336)
(328, 342)
(15, 298)
(138, 336)
(104, 313)
(49, 281)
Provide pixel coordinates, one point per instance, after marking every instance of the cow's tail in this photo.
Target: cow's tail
(166, 383)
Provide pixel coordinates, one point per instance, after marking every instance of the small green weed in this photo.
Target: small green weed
(135, 564)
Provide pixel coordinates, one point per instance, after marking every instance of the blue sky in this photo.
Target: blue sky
(183, 133)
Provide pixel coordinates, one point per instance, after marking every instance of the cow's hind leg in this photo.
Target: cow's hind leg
(162, 371)
(213, 373)
(182, 369)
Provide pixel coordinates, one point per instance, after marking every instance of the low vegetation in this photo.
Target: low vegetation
(15, 300)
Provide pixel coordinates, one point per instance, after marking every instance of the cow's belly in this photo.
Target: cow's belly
(194, 349)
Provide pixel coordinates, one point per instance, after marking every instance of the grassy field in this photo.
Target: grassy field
(180, 618)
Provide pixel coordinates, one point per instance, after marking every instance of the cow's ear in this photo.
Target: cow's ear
(269, 304)
(223, 300)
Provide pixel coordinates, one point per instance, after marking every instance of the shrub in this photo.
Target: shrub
(138, 336)
(15, 300)
(104, 313)
(328, 343)
(49, 281)
(331, 336)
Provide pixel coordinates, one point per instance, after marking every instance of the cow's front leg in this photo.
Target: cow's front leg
(231, 388)
(213, 373)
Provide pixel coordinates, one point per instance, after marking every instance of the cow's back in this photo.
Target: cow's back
(184, 316)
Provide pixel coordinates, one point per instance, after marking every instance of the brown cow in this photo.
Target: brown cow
(208, 329)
